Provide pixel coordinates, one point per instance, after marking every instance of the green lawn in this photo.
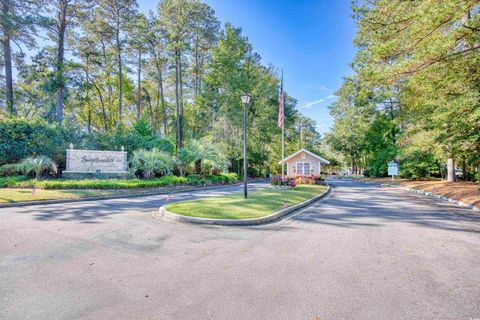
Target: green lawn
(259, 203)
(20, 195)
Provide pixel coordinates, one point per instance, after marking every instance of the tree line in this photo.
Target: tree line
(415, 92)
(101, 66)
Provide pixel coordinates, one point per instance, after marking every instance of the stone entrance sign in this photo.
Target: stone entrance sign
(96, 161)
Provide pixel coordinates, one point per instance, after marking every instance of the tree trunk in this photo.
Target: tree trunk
(7, 56)
(89, 120)
(464, 168)
(196, 84)
(478, 164)
(8, 74)
(150, 107)
(62, 26)
(164, 109)
(451, 177)
(177, 104)
(104, 114)
(198, 166)
(89, 123)
(159, 67)
(139, 89)
(120, 76)
(181, 98)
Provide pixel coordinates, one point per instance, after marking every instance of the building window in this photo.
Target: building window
(306, 168)
(299, 167)
(303, 156)
(303, 168)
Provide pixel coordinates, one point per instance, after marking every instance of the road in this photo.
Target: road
(366, 252)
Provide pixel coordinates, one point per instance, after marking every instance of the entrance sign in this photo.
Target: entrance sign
(393, 169)
(86, 161)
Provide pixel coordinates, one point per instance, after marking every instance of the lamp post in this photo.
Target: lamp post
(245, 100)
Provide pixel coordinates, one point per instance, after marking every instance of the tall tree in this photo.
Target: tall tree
(18, 21)
(116, 14)
(155, 40)
(65, 12)
(427, 51)
(179, 18)
(137, 30)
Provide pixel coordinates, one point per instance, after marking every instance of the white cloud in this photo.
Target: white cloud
(310, 104)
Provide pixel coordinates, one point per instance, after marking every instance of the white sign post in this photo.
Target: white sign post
(393, 169)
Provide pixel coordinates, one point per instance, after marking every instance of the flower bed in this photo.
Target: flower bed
(286, 183)
(310, 179)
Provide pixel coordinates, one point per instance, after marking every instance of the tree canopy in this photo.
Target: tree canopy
(414, 96)
(102, 68)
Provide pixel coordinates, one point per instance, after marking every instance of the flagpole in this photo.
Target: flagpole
(283, 130)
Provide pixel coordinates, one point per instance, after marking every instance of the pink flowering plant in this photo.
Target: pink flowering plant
(278, 181)
(309, 179)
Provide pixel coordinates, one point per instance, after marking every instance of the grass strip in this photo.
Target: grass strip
(260, 203)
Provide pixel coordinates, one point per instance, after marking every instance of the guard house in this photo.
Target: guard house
(303, 162)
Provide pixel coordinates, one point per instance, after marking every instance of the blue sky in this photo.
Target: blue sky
(311, 40)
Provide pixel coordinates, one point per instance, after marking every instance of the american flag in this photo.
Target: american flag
(280, 106)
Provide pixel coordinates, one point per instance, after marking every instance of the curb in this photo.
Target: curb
(425, 193)
(243, 222)
(134, 195)
(435, 196)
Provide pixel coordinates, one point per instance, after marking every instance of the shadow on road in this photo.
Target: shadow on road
(98, 211)
(356, 204)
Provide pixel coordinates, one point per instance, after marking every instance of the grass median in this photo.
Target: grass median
(260, 203)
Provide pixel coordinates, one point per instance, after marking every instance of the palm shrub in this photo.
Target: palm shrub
(200, 156)
(38, 167)
(150, 163)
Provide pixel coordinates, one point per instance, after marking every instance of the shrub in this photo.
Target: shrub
(150, 163)
(311, 179)
(417, 165)
(200, 156)
(24, 182)
(319, 180)
(20, 138)
(11, 169)
(138, 137)
(13, 181)
(96, 184)
(38, 167)
(221, 178)
(195, 179)
(278, 181)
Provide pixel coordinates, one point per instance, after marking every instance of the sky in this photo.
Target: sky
(311, 40)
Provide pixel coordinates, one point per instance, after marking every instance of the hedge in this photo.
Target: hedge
(23, 182)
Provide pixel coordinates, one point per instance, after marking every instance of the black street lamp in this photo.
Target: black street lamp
(245, 100)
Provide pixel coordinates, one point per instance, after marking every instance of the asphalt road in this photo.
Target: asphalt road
(365, 252)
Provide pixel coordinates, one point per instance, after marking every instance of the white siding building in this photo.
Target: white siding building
(303, 162)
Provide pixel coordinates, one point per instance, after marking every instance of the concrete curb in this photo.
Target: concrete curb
(120, 196)
(435, 196)
(425, 193)
(243, 222)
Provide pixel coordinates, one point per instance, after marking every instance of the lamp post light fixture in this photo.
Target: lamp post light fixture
(245, 100)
